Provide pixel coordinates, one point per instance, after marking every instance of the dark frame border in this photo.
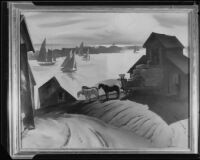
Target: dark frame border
(4, 81)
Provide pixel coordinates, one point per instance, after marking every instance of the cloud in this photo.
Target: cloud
(102, 28)
(48, 15)
(63, 23)
(171, 20)
(95, 27)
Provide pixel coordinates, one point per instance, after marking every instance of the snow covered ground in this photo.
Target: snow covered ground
(100, 67)
(180, 133)
(113, 124)
(133, 117)
(68, 131)
(78, 131)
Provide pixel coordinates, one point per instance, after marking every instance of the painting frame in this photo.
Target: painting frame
(15, 10)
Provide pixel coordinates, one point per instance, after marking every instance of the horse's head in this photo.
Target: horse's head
(85, 87)
(100, 85)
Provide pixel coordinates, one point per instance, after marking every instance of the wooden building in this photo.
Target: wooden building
(54, 92)
(166, 52)
(27, 81)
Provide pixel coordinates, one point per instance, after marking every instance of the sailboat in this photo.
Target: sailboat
(68, 56)
(80, 53)
(135, 49)
(54, 56)
(44, 57)
(86, 56)
(70, 65)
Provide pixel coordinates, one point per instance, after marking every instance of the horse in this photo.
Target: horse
(108, 89)
(88, 92)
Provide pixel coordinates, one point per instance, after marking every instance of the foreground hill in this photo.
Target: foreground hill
(113, 124)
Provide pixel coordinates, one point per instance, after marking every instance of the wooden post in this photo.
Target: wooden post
(26, 100)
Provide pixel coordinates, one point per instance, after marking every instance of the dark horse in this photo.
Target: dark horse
(108, 89)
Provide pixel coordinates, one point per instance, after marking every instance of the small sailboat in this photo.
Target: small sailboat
(76, 50)
(54, 56)
(80, 52)
(44, 57)
(86, 56)
(70, 65)
(136, 49)
(68, 56)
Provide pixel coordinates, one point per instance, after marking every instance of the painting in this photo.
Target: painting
(108, 79)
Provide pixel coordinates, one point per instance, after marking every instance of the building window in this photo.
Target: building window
(61, 97)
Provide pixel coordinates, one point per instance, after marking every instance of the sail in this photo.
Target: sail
(76, 50)
(42, 53)
(68, 56)
(54, 56)
(70, 65)
(87, 55)
(81, 49)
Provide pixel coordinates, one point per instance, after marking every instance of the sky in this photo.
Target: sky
(104, 28)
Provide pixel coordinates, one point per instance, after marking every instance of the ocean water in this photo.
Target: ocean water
(89, 73)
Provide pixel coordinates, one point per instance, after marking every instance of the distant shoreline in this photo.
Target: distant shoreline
(60, 46)
(92, 50)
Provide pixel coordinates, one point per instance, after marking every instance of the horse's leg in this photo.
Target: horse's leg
(118, 93)
(107, 95)
(97, 95)
(89, 98)
(86, 97)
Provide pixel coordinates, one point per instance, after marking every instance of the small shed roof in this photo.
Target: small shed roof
(25, 34)
(180, 61)
(59, 82)
(142, 60)
(167, 41)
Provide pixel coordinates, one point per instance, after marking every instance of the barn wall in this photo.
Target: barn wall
(184, 91)
(53, 98)
(25, 87)
(48, 101)
(32, 94)
(177, 51)
(170, 70)
(46, 91)
(155, 44)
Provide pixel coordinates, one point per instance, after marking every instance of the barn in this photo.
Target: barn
(166, 52)
(27, 81)
(53, 92)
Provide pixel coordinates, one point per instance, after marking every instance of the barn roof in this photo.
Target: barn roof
(25, 33)
(167, 41)
(60, 82)
(142, 60)
(180, 61)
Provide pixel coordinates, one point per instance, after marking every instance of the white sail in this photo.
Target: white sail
(70, 65)
(86, 56)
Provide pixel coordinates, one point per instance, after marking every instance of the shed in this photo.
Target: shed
(52, 92)
(166, 52)
(27, 80)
